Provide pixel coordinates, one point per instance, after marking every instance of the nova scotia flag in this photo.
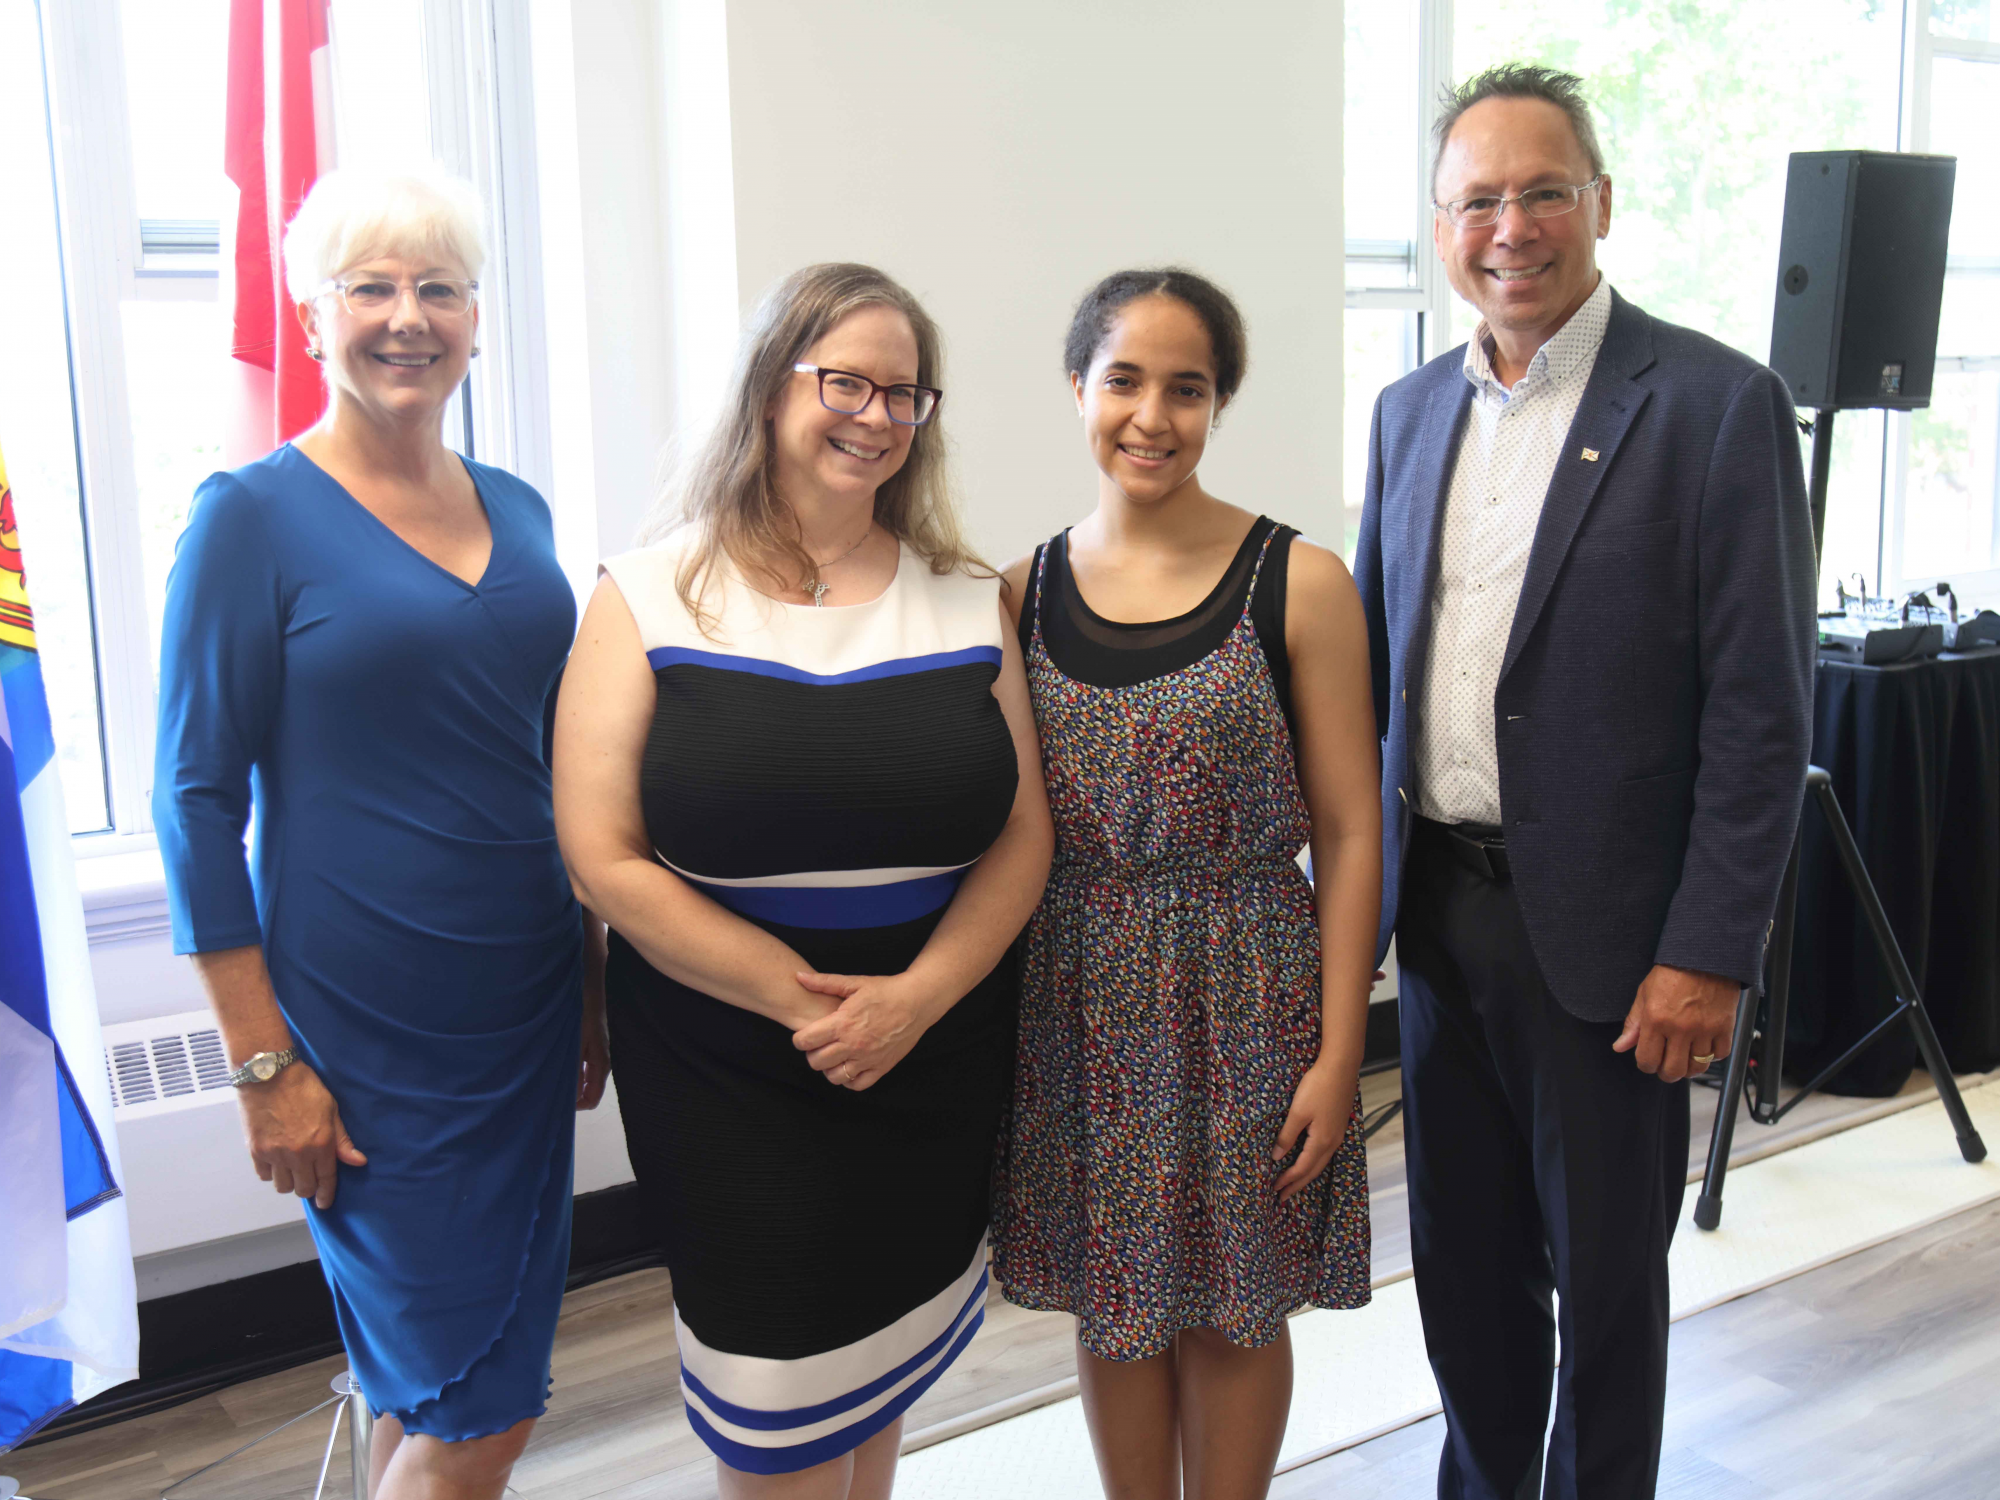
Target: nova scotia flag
(68, 1319)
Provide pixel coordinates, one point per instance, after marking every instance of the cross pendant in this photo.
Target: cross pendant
(818, 590)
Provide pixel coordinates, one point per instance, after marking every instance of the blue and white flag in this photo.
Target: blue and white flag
(69, 1323)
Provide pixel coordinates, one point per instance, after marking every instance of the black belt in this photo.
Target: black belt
(1480, 847)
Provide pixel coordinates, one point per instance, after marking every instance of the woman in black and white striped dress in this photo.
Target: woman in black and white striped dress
(796, 772)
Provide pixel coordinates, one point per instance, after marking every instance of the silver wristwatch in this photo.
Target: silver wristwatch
(263, 1067)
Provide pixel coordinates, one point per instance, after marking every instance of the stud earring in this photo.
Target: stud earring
(475, 350)
(315, 356)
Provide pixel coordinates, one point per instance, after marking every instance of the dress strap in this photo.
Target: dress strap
(1035, 593)
(1256, 571)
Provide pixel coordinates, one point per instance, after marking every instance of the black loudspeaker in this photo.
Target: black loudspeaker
(1861, 277)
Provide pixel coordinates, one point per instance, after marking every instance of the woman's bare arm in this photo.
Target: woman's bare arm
(602, 720)
(290, 1123)
(1326, 640)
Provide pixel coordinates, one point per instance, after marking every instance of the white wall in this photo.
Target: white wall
(998, 159)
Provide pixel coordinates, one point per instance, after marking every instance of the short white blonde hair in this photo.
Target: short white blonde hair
(351, 216)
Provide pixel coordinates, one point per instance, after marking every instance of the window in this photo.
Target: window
(1946, 494)
(38, 429)
(116, 387)
(1395, 291)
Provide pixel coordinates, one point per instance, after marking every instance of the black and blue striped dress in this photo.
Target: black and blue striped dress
(829, 774)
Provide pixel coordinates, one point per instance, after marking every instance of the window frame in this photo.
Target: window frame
(1430, 297)
(1974, 586)
(84, 72)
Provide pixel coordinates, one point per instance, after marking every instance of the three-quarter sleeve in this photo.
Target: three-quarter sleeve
(221, 665)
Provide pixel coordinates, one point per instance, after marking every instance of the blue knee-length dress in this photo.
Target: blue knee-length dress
(388, 722)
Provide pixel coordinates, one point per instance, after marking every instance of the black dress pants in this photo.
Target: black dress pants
(1540, 1161)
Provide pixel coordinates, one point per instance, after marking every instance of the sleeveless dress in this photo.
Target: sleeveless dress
(407, 890)
(830, 775)
(1170, 985)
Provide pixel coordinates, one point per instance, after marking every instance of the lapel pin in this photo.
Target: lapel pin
(1590, 455)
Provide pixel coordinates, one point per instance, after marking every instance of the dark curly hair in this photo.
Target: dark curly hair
(1102, 303)
(1518, 81)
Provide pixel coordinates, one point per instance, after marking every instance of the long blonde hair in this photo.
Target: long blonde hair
(725, 490)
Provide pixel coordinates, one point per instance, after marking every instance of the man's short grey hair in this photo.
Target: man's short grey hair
(351, 216)
(1519, 81)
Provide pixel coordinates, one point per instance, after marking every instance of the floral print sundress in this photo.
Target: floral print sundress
(1170, 1004)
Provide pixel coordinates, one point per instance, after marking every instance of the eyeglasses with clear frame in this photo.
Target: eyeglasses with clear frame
(849, 394)
(1550, 201)
(374, 296)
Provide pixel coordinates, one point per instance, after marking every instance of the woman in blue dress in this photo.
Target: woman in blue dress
(363, 634)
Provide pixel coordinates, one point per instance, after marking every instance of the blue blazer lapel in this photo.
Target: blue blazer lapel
(1610, 401)
(1430, 487)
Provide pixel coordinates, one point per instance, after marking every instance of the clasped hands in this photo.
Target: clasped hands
(878, 1019)
(1680, 1022)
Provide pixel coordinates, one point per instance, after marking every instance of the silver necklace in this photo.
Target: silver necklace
(818, 587)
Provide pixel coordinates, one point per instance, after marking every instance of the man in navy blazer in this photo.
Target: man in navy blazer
(1588, 571)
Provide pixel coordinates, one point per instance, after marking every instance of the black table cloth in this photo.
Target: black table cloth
(1914, 752)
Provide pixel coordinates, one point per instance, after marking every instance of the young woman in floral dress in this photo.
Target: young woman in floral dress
(1184, 1166)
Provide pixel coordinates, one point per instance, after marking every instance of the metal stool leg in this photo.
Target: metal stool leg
(352, 1405)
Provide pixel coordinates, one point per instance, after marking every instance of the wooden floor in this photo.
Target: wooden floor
(1865, 1364)
(1874, 1378)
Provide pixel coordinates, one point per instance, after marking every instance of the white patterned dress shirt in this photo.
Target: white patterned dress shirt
(1505, 462)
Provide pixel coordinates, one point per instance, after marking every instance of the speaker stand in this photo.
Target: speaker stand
(1763, 1092)
(1821, 428)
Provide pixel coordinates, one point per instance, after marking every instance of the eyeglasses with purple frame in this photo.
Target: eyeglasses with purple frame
(851, 394)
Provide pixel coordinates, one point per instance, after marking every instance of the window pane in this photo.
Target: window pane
(1853, 538)
(1382, 120)
(1698, 107)
(176, 68)
(1381, 347)
(1948, 510)
(1953, 494)
(176, 368)
(1969, 20)
(1962, 125)
(37, 427)
(177, 365)
(1969, 321)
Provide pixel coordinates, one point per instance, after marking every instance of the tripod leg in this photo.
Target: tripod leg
(1771, 1061)
(1970, 1146)
(1708, 1204)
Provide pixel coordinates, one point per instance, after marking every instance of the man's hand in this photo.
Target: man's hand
(1679, 1015)
(296, 1139)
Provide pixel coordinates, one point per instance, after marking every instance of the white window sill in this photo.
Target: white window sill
(124, 896)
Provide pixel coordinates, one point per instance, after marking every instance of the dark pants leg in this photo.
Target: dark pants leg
(1539, 1161)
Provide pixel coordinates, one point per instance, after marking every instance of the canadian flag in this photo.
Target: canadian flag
(277, 140)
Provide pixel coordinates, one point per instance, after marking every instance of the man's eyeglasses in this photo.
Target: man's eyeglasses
(1548, 202)
(849, 394)
(372, 296)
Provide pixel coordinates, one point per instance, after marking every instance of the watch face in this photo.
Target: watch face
(264, 1067)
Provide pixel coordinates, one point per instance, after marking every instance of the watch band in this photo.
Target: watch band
(262, 1067)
